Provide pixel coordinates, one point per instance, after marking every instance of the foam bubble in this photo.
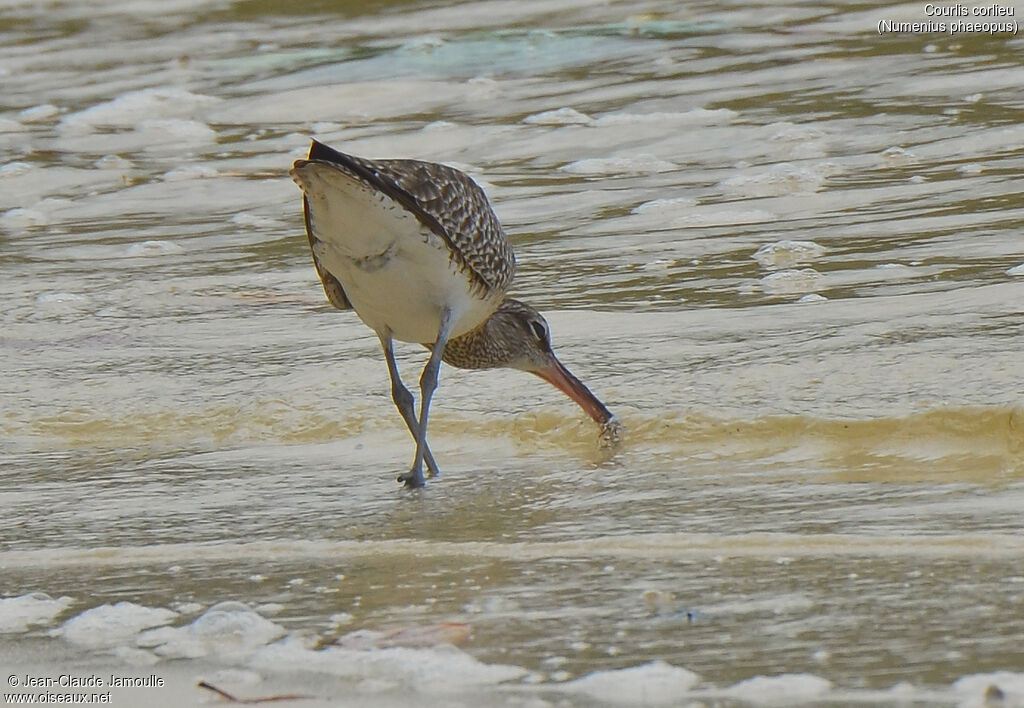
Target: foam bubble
(786, 254)
(111, 625)
(897, 156)
(653, 684)
(435, 670)
(782, 690)
(131, 108)
(152, 248)
(638, 164)
(228, 630)
(778, 180)
(791, 282)
(19, 613)
(560, 116)
(177, 129)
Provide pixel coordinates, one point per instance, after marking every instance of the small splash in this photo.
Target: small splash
(1016, 270)
(611, 433)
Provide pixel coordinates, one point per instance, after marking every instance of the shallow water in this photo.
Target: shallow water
(785, 250)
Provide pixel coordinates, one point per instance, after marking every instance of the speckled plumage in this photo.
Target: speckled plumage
(442, 198)
(505, 337)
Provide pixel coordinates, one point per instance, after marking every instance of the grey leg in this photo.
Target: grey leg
(428, 384)
(404, 402)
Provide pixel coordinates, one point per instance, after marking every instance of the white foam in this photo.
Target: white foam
(638, 164)
(133, 107)
(111, 625)
(560, 116)
(19, 613)
(778, 180)
(433, 670)
(653, 684)
(813, 297)
(782, 690)
(229, 630)
(786, 254)
(191, 132)
(791, 282)
(786, 132)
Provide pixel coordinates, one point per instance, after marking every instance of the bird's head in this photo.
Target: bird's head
(517, 336)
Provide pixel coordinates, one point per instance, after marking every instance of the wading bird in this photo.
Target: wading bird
(416, 250)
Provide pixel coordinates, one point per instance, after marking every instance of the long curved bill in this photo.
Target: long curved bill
(561, 378)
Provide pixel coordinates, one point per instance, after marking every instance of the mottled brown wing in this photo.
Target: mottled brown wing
(445, 200)
(332, 288)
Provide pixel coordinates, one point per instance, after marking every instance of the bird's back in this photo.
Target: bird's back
(398, 240)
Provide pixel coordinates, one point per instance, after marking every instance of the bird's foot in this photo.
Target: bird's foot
(413, 479)
(611, 433)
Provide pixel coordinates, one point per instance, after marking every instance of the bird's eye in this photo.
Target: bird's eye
(539, 331)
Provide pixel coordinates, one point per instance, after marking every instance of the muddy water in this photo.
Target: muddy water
(823, 467)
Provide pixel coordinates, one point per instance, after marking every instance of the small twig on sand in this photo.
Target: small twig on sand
(265, 699)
